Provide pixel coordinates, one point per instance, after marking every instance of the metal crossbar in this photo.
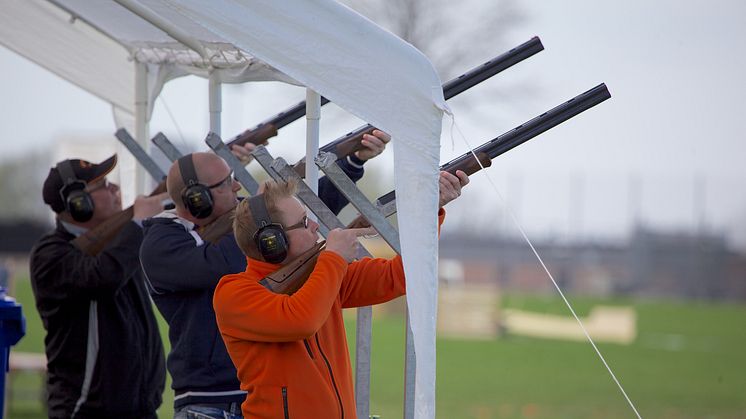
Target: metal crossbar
(281, 171)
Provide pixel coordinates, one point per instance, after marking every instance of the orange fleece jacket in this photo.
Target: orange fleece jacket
(291, 351)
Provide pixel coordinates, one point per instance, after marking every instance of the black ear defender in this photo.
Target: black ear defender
(195, 196)
(78, 201)
(270, 238)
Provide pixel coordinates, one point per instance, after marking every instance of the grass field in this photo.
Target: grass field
(689, 361)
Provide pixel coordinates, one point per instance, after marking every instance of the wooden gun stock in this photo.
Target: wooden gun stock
(215, 231)
(359, 222)
(268, 128)
(341, 147)
(470, 165)
(256, 136)
(292, 276)
(95, 239)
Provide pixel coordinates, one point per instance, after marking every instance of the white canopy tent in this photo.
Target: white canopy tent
(123, 52)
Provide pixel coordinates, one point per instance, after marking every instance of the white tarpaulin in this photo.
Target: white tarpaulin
(320, 44)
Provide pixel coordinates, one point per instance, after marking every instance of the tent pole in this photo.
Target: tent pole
(410, 370)
(313, 116)
(173, 31)
(142, 127)
(216, 103)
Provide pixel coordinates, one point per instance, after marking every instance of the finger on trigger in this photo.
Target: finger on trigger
(451, 178)
(374, 142)
(463, 177)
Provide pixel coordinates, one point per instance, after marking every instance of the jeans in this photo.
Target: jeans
(207, 411)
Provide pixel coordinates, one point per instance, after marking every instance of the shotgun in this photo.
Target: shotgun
(218, 228)
(290, 277)
(351, 142)
(286, 279)
(95, 239)
(268, 128)
(504, 143)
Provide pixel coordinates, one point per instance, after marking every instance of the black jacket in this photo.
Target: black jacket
(183, 271)
(104, 351)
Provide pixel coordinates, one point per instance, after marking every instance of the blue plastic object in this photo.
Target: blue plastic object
(12, 329)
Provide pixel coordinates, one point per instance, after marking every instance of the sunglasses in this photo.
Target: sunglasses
(227, 180)
(303, 223)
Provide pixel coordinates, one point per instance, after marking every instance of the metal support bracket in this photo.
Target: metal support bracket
(327, 163)
(172, 153)
(374, 215)
(281, 171)
(239, 170)
(141, 156)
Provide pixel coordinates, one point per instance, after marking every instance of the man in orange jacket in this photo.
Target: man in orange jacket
(291, 350)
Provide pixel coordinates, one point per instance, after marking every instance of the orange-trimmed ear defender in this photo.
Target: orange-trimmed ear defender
(195, 196)
(270, 239)
(78, 201)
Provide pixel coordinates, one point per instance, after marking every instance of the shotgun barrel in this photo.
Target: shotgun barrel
(93, 241)
(505, 142)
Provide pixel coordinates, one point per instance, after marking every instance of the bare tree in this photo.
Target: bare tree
(457, 36)
(453, 34)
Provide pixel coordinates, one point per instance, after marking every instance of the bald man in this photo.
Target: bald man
(183, 271)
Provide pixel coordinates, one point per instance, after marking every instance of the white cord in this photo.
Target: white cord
(543, 265)
(173, 120)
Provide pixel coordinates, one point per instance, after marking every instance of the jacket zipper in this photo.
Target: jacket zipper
(285, 402)
(308, 348)
(331, 374)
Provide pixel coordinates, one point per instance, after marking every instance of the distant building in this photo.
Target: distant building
(19, 236)
(652, 263)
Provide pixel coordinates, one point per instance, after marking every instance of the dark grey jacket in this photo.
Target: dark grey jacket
(104, 351)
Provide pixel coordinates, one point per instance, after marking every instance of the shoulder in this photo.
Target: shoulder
(236, 286)
(51, 243)
(166, 224)
(167, 219)
(237, 280)
(47, 254)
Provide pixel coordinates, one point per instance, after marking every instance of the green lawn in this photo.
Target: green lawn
(687, 362)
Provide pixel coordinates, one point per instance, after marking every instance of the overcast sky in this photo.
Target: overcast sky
(671, 132)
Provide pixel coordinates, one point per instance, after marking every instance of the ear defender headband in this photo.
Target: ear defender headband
(77, 201)
(270, 239)
(195, 196)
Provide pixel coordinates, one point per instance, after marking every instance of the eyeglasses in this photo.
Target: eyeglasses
(227, 180)
(303, 223)
(99, 185)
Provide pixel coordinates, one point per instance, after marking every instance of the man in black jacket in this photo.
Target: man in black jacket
(104, 352)
(183, 271)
